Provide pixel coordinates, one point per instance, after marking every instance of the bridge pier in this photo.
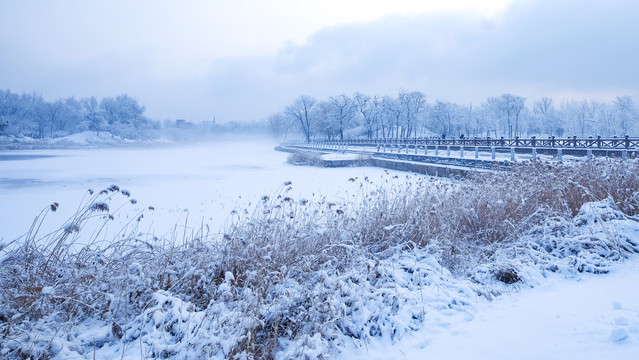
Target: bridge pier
(560, 153)
(476, 152)
(512, 154)
(492, 151)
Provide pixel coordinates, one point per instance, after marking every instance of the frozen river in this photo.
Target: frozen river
(206, 181)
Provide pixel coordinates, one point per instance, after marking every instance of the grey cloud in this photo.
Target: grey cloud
(547, 46)
(534, 49)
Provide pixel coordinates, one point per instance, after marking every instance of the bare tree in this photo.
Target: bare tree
(442, 118)
(605, 119)
(300, 111)
(279, 126)
(341, 113)
(547, 117)
(507, 108)
(412, 104)
(367, 110)
(581, 114)
(392, 114)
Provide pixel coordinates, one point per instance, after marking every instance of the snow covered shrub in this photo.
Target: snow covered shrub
(305, 158)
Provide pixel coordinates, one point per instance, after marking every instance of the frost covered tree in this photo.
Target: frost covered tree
(626, 114)
(391, 117)
(301, 112)
(444, 118)
(545, 118)
(124, 116)
(95, 119)
(369, 110)
(341, 112)
(279, 125)
(605, 119)
(8, 109)
(506, 112)
(412, 105)
(324, 125)
(580, 115)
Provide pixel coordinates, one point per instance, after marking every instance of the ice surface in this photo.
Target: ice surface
(197, 184)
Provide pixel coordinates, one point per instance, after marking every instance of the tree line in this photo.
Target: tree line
(29, 114)
(406, 115)
(409, 115)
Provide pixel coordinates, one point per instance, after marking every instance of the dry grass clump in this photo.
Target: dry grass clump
(267, 277)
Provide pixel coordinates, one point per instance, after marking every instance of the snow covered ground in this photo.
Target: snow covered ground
(582, 317)
(413, 308)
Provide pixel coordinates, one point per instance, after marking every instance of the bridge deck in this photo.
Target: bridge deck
(449, 160)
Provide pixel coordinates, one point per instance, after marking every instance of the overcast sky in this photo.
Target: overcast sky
(245, 59)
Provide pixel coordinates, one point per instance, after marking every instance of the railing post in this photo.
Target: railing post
(627, 142)
(517, 141)
(502, 141)
(574, 141)
(534, 141)
(599, 141)
(552, 141)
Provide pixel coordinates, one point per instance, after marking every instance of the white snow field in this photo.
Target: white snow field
(582, 317)
(400, 305)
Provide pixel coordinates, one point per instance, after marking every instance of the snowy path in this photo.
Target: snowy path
(596, 317)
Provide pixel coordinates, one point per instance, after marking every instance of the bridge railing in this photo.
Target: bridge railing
(550, 142)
